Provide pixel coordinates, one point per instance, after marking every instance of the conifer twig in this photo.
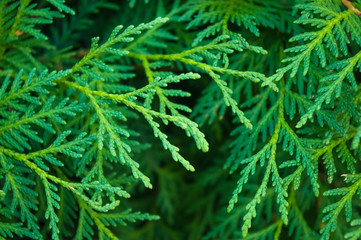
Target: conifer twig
(349, 5)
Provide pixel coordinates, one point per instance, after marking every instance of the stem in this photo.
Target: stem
(349, 5)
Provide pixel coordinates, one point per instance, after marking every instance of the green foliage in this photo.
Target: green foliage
(88, 125)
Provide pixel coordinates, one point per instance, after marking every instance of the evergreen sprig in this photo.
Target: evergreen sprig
(276, 81)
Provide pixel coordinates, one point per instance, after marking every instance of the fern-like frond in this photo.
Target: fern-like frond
(356, 233)
(333, 85)
(218, 15)
(333, 211)
(332, 20)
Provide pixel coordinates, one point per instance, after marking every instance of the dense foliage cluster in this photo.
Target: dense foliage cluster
(268, 92)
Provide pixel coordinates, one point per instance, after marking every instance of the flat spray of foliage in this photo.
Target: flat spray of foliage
(86, 122)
